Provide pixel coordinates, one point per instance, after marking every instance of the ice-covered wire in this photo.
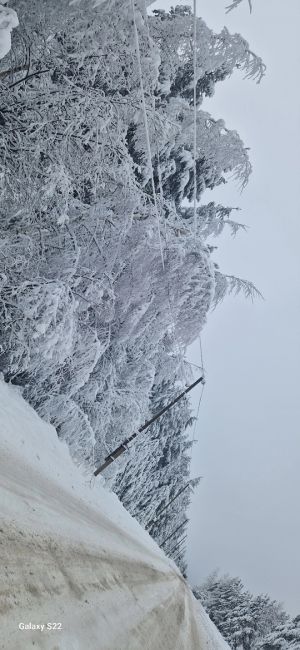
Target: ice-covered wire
(138, 54)
(161, 197)
(195, 186)
(195, 114)
(159, 170)
(201, 394)
(197, 414)
(201, 354)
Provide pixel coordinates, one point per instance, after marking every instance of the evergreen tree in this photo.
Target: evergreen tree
(284, 637)
(266, 614)
(91, 323)
(220, 152)
(243, 619)
(228, 605)
(218, 55)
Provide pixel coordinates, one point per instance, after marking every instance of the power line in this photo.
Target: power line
(152, 521)
(173, 532)
(138, 54)
(197, 414)
(195, 181)
(177, 545)
(195, 115)
(161, 201)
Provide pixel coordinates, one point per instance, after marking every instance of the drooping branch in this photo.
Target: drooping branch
(238, 285)
(230, 284)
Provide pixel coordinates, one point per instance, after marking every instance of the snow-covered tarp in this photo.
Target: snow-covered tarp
(8, 20)
(72, 556)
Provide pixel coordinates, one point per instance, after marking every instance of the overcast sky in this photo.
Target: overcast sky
(245, 514)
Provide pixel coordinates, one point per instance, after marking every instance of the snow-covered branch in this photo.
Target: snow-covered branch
(92, 327)
(235, 4)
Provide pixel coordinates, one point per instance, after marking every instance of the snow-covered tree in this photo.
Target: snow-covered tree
(93, 325)
(267, 615)
(244, 620)
(228, 605)
(284, 637)
(220, 154)
(217, 55)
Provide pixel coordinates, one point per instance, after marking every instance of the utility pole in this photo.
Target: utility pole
(123, 447)
(173, 532)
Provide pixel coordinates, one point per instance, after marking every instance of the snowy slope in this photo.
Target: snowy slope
(72, 555)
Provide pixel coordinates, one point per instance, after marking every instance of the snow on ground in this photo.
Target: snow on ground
(72, 556)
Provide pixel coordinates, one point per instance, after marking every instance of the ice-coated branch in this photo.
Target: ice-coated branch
(235, 4)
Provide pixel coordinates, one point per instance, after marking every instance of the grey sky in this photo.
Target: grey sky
(245, 515)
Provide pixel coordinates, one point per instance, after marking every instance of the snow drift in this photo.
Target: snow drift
(73, 556)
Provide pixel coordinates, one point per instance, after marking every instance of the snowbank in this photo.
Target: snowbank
(8, 20)
(71, 555)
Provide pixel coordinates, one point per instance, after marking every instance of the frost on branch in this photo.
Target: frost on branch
(92, 326)
(227, 284)
(244, 620)
(217, 55)
(212, 219)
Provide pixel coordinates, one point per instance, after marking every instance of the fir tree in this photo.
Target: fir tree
(92, 325)
(284, 637)
(245, 621)
(218, 55)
